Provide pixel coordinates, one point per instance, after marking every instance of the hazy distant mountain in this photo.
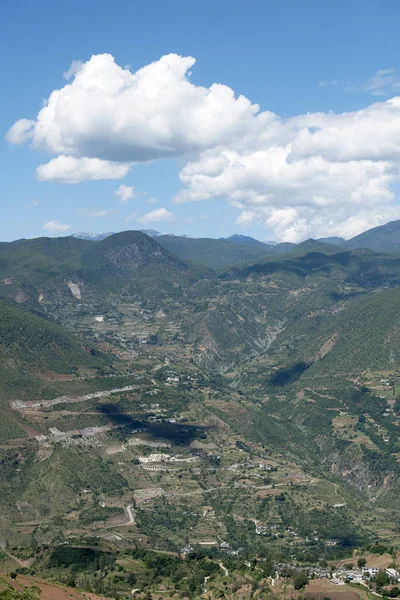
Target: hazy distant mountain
(385, 238)
(151, 232)
(246, 240)
(94, 237)
(97, 237)
(335, 241)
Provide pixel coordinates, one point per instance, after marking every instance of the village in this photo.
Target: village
(340, 575)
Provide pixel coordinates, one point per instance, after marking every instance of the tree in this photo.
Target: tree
(131, 578)
(300, 580)
(381, 579)
(361, 562)
(323, 563)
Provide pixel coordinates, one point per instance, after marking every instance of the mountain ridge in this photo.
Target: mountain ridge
(384, 238)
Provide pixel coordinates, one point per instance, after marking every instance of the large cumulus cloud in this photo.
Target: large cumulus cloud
(112, 114)
(312, 174)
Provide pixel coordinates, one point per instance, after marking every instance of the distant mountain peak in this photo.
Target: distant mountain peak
(151, 232)
(94, 237)
(97, 237)
(245, 240)
(384, 238)
(334, 240)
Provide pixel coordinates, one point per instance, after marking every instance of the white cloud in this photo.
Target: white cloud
(369, 134)
(67, 169)
(152, 201)
(310, 175)
(160, 214)
(74, 68)
(56, 227)
(20, 132)
(125, 193)
(109, 113)
(328, 171)
(95, 212)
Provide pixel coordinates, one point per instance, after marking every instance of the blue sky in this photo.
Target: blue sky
(291, 58)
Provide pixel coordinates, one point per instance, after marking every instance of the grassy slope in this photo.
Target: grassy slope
(31, 346)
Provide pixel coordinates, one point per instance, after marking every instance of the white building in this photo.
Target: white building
(370, 571)
(392, 573)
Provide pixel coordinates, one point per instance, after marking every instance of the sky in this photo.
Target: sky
(278, 119)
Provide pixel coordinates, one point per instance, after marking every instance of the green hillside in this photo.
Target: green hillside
(38, 345)
(53, 271)
(385, 238)
(216, 254)
(32, 350)
(268, 393)
(365, 267)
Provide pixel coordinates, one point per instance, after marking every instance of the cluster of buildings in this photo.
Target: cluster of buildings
(362, 574)
(338, 575)
(288, 569)
(223, 547)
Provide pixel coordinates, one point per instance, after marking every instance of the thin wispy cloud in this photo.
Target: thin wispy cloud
(324, 83)
(33, 204)
(383, 82)
(132, 217)
(95, 212)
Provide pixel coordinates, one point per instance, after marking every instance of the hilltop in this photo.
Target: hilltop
(48, 270)
(385, 238)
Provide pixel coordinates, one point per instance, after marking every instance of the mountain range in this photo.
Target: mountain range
(221, 252)
(211, 387)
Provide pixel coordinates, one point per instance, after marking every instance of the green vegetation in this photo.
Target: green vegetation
(13, 594)
(33, 343)
(79, 559)
(216, 254)
(245, 418)
(99, 513)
